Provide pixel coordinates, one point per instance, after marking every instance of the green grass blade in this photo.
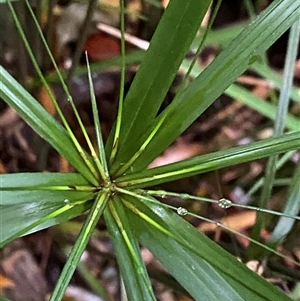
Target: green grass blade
(205, 270)
(212, 161)
(44, 181)
(98, 287)
(265, 108)
(43, 188)
(278, 129)
(222, 36)
(38, 70)
(257, 185)
(167, 48)
(69, 97)
(200, 45)
(133, 57)
(47, 198)
(79, 246)
(252, 101)
(222, 72)
(84, 32)
(115, 145)
(133, 271)
(42, 122)
(292, 207)
(20, 196)
(39, 215)
(100, 162)
(275, 79)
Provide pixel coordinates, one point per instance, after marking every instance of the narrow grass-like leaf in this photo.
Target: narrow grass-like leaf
(44, 181)
(98, 287)
(292, 206)
(39, 72)
(116, 137)
(80, 244)
(222, 72)
(203, 268)
(70, 99)
(84, 32)
(275, 79)
(42, 197)
(43, 188)
(252, 101)
(222, 36)
(200, 45)
(170, 43)
(100, 162)
(265, 108)
(133, 57)
(212, 161)
(42, 122)
(279, 125)
(279, 164)
(38, 216)
(138, 286)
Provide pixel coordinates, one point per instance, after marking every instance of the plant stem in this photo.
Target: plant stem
(115, 145)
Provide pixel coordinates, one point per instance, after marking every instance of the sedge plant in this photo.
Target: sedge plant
(112, 179)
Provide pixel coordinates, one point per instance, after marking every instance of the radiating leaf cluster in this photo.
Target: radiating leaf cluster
(40, 200)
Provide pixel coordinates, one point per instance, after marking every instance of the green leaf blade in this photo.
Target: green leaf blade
(34, 216)
(202, 267)
(167, 49)
(31, 180)
(133, 271)
(212, 161)
(223, 71)
(42, 122)
(40, 200)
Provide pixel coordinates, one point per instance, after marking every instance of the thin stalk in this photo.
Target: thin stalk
(292, 206)
(195, 58)
(223, 203)
(182, 211)
(70, 99)
(257, 185)
(250, 9)
(115, 146)
(21, 50)
(82, 38)
(40, 74)
(253, 241)
(97, 286)
(279, 125)
(80, 245)
(101, 164)
(49, 34)
(282, 182)
(36, 40)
